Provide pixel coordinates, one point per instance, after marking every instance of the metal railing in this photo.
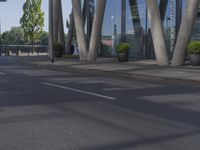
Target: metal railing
(23, 50)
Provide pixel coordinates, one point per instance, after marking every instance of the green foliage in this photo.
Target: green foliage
(13, 37)
(5, 38)
(194, 47)
(16, 37)
(70, 56)
(32, 20)
(106, 50)
(44, 38)
(122, 48)
(58, 47)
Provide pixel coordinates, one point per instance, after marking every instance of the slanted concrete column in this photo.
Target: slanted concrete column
(96, 30)
(157, 32)
(61, 38)
(55, 20)
(185, 32)
(72, 25)
(50, 29)
(81, 37)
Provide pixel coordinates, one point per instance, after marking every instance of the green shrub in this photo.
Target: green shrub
(122, 48)
(58, 47)
(106, 51)
(194, 47)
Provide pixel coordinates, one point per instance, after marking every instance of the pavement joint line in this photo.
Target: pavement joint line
(79, 91)
(2, 73)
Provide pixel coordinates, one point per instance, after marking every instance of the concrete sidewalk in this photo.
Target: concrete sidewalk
(143, 69)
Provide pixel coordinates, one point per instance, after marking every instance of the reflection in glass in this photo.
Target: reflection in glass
(111, 32)
(137, 30)
(196, 30)
(136, 26)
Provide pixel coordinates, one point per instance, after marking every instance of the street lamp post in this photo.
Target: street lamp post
(0, 28)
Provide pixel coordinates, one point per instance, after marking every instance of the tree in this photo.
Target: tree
(157, 32)
(32, 20)
(13, 37)
(43, 40)
(185, 32)
(5, 37)
(17, 36)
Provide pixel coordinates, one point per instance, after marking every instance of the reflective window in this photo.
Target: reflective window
(136, 26)
(196, 30)
(138, 33)
(111, 31)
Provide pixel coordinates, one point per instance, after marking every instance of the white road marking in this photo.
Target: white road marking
(79, 91)
(2, 73)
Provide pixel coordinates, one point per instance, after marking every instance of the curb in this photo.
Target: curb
(136, 76)
(118, 74)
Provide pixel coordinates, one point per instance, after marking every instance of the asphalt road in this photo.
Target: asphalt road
(44, 109)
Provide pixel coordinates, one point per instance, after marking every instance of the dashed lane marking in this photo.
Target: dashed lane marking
(79, 91)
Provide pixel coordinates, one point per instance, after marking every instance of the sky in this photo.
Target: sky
(11, 12)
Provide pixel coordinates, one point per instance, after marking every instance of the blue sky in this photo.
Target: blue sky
(11, 12)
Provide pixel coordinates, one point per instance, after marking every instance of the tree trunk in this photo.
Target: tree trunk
(70, 34)
(157, 32)
(96, 30)
(81, 38)
(185, 32)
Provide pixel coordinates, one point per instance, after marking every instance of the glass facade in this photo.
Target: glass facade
(129, 18)
(196, 31)
(111, 31)
(136, 26)
(132, 24)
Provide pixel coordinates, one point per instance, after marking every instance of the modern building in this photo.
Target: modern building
(127, 21)
(151, 30)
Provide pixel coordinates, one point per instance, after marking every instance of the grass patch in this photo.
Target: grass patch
(70, 56)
